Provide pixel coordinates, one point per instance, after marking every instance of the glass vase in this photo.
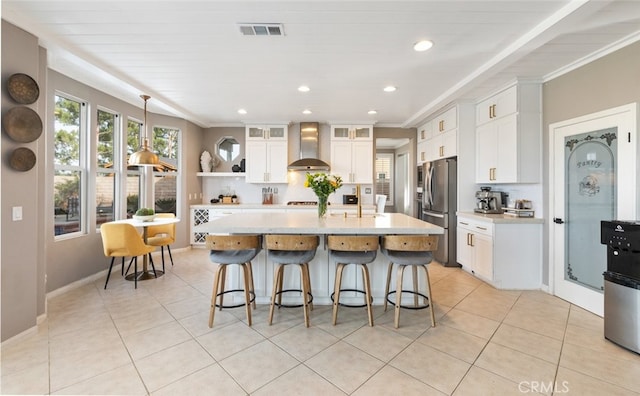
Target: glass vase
(322, 206)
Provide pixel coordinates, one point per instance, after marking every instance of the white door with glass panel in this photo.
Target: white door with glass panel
(593, 178)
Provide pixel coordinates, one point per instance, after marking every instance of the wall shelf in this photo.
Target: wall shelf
(220, 174)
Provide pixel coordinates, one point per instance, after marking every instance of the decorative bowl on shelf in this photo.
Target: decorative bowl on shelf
(144, 218)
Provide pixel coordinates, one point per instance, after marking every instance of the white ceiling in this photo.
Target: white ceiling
(193, 61)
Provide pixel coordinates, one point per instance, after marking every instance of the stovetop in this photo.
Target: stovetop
(303, 203)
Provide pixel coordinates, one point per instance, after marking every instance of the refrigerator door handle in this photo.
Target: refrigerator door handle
(430, 197)
(433, 214)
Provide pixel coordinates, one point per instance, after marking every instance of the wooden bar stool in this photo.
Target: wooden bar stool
(414, 251)
(351, 249)
(227, 250)
(291, 249)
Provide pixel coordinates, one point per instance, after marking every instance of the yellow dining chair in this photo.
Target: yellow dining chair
(162, 235)
(122, 240)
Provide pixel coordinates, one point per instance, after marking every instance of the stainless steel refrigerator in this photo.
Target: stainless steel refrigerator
(439, 206)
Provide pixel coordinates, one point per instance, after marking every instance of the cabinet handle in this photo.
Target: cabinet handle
(468, 239)
(422, 156)
(481, 228)
(442, 151)
(422, 134)
(462, 222)
(471, 239)
(492, 111)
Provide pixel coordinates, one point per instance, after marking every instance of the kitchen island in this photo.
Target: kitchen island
(321, 268)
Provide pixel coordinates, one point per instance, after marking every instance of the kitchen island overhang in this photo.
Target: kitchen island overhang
(321, 268)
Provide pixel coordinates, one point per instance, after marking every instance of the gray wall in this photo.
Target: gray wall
(22, 250)
(29, 250)
(611, 81)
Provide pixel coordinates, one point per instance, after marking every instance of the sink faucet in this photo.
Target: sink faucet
(359, 200)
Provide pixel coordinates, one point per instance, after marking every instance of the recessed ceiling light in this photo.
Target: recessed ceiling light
(242, 111)
(304, 88)
(422, 45)
(306, 111)
(372, 112)
(390, 88)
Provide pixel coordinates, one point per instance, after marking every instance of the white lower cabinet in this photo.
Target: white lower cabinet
(506, 255)
(475, 248)
(205, 215)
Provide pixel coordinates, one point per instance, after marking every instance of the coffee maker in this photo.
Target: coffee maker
(490, 201)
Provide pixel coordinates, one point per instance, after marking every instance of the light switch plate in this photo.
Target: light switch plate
(367, 190)
(17, 213)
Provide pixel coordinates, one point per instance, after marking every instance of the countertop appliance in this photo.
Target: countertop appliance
(622, 283)
(490, 201)
(439, 206)
(349, 199)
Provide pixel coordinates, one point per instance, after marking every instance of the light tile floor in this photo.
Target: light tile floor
(156, 340)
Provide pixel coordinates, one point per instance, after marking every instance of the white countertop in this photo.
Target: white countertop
(501, 218)
(309, 223)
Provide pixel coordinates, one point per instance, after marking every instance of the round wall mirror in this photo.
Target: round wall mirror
(228, 148)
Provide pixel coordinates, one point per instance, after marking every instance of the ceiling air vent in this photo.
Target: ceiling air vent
(261, 29)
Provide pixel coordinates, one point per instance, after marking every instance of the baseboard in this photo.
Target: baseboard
(92, 278)
(20, 336)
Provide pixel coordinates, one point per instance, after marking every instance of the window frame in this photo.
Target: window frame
(116, 163)
(156, 173)
(82, 168)
(134, 171)
(391, 180)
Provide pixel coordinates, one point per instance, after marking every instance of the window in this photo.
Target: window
(106, 175)
(69, 165)
(166, 145)
(132, 188)
(384, 173)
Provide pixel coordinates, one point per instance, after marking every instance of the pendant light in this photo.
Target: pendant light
(144, 156)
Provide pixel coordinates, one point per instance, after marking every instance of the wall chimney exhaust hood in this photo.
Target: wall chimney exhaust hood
(309, 132)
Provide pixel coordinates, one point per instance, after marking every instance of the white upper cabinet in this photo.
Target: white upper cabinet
(267, 132)
(352, 153)
(509, 136)
(352, 132)
(499, 105)
(445, 121)
(424, 134)
(425, 131)
(266, 154)
(438, 137)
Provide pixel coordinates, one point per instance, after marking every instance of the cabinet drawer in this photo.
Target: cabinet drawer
(475, 226)
(215, 213)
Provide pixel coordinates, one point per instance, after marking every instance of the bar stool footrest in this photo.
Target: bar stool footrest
(409, 306)
(251, 294)
(309, 301)
(351, 305)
